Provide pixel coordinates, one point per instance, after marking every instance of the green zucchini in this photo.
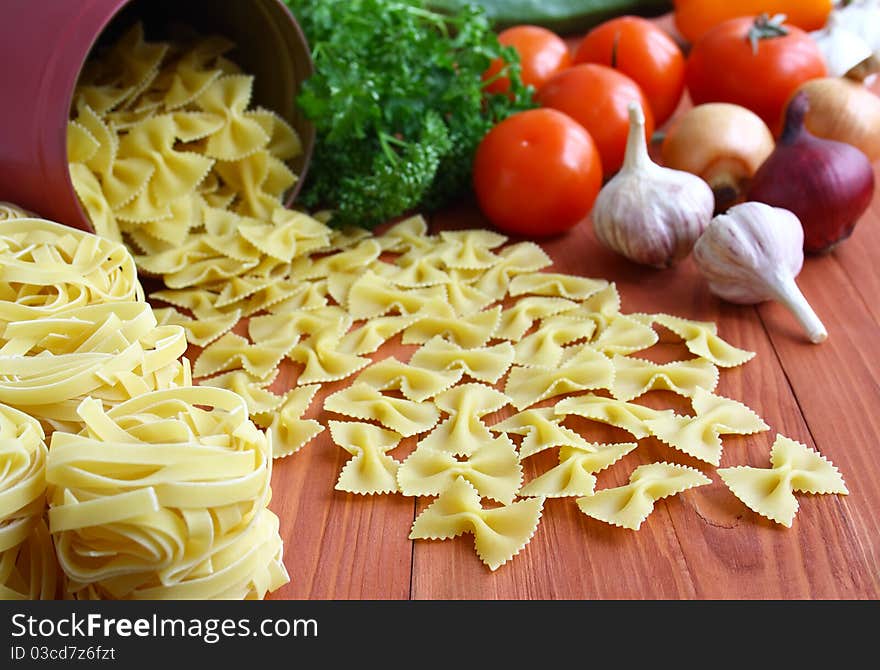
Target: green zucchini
(561, 16)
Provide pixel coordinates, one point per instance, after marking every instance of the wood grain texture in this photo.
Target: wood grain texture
(701, 544)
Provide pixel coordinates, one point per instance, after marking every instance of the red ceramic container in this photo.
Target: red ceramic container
(44, 45)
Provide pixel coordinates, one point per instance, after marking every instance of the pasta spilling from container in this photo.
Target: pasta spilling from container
(168, 156)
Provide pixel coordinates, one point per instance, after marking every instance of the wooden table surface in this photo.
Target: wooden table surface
(701, 544)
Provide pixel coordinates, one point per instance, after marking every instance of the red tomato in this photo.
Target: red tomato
(537, 173)
(597, 97)
(643, 52)
(723, 66)
(541, 55)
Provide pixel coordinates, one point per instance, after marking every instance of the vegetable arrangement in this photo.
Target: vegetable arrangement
(398, 104)
(627, 76)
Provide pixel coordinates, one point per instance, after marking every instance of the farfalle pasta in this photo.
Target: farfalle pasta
(585, 369)
(182, 471)
(793, 468)
(500, 533)
(414, 382)
(362, 401)
(574, 476)
(487, 364)
(542, 430)
(629, 416)
(492, 468)
(464, 432)
(701, 339)
(634, 377)
(699, 436)
(371, 470)
(629, 505)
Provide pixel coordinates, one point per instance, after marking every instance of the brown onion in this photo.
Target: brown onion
(827, 184)
(845, 111)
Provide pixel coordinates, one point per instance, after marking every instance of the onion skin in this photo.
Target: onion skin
(723, 143)
(845, 111)
(827, 184)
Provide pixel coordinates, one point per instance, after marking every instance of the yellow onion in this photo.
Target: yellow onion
(845, 111)
(722, 143)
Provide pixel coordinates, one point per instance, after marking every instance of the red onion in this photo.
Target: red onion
(827, 184)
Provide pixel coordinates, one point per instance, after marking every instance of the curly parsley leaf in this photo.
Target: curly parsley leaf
(398, 103)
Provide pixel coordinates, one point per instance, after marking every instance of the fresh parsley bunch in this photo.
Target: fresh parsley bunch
(398, 103)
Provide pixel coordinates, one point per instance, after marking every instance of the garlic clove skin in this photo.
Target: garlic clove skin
(843, 49)
(752, 254)
(650, 214)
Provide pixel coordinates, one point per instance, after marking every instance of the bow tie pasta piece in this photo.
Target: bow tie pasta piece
(629, 505)
(469, 249)
(233, 351)
(555, 285)
(621, 334)
(493, 469)
(574, 476)
(542, 430)
(586, 369)
(517, 320)
(287, 430)
(634, 377)
(259, 400)
(323, 361)
(182, 83)
(499, 533)
(135, 60)
(240, 136)
(362, 256)
(371, 470)
(293, 325)
(81, 144)
(464, 299)
(200, 332)
(410, 234)
(282, 241)
(414, 382)
(469, 332)
(49, 266)
(367, 338)
(486, 364)
(22, 477)
(631, 417)
(284, 142)
(464, 431)
(183, 472)
(362, 401)
(176, 173)
(701, 339)
(794, 467)
(419, 271)
(699, 436)
(545, 347)
(257, 181)
(371, 296)
(516, 259)
(29, 571)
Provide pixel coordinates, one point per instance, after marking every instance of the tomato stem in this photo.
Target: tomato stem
(766, 27)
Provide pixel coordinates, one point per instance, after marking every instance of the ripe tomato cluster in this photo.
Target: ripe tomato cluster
(538, 173)
(535, 173)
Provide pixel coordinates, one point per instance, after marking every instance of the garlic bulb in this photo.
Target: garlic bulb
(845, 51)
(651, 214)
(862, 17)
(752, 254)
